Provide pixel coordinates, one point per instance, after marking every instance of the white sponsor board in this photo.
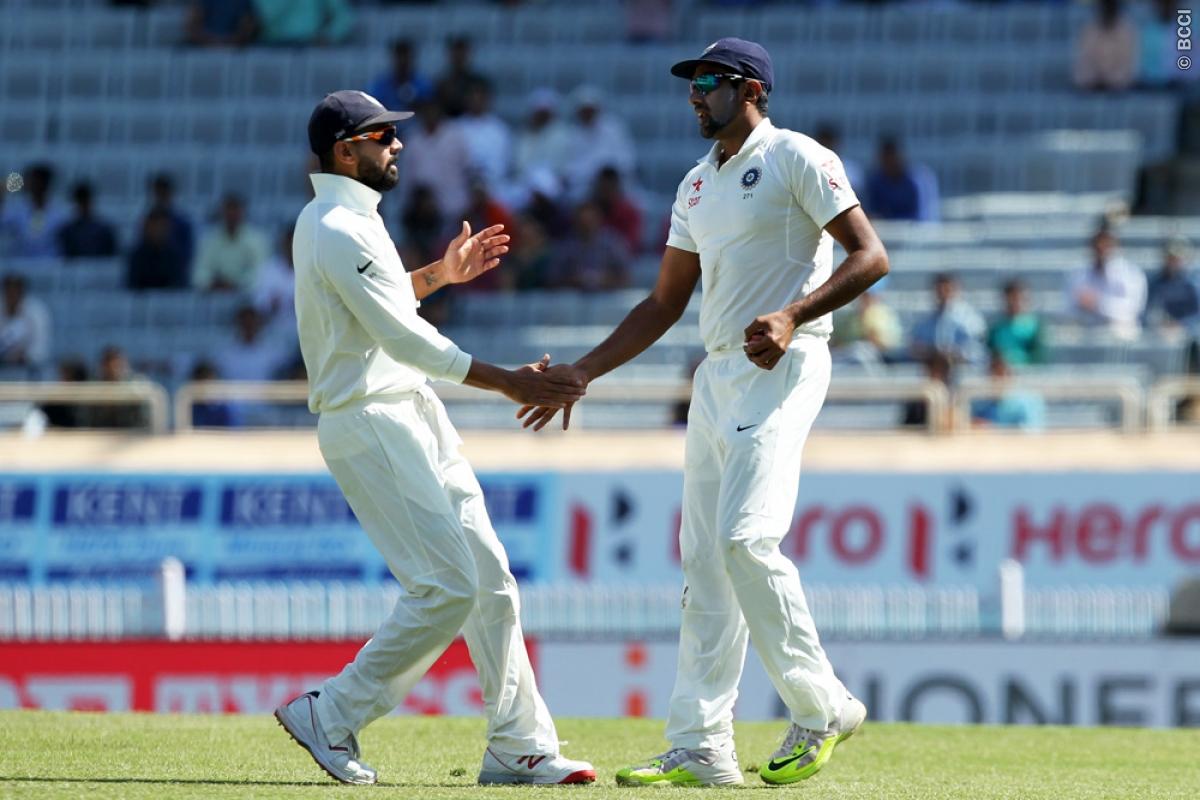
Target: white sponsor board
(1132, 529)
(1148, 684)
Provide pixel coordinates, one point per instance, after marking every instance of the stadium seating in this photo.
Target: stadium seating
(978, 93)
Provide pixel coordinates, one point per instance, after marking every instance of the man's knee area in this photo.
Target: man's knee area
(459, 586)
(740, 551)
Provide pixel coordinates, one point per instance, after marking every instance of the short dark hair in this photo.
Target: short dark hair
(82, 192)
(761, 103)
(326, 160)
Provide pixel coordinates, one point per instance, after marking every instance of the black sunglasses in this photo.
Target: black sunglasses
(384, 136)
(703, 84)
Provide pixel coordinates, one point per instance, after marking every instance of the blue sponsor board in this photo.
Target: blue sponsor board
(289, 528)
(19, 534)
(118, 528)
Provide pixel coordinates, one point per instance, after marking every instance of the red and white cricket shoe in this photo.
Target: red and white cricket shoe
(542, 769)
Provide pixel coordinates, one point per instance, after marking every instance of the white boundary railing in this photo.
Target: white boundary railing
(1138, 406)
(147, 394)
(334, 610)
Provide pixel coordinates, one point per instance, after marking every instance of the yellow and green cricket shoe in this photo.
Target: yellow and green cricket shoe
(804, 752)
(681, 767)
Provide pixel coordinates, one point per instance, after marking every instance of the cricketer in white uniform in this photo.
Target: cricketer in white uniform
(389, 444)
(754, 222)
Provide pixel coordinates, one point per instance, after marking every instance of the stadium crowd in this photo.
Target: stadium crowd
(563, 181)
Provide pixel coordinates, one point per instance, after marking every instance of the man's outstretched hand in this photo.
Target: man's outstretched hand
(467, 257)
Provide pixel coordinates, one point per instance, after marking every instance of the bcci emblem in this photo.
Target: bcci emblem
(750, 177)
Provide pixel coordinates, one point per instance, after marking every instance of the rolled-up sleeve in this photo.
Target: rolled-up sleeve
(378, 299)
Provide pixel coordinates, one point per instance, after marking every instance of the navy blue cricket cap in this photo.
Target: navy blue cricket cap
(345, 113)
(748, 59)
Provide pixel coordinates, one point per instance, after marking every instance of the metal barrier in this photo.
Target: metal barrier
(1127, 393)
(1135, 402)
(311, 610)
(148, 394)
(1163, 396)
(933, 394)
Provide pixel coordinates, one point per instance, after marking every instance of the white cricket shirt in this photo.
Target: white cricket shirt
(355, 308)
(758, 225)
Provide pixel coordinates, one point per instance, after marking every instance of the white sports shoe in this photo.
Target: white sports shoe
(504, 768)
(299, 718)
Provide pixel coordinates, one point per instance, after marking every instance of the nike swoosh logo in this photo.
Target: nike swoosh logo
(776, 765)
(365, 267)
(746, 427)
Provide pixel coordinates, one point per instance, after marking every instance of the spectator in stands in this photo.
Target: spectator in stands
(455, 81)
(596, 139)
(86, 235)
(1106, 54)
(24, 330)
(621, 214)
(221, 23)
(542, 141)
(1173, 299)
(180, 232)
(210, 414)
(232, 252)
(485, 211)
(114, 368)
(250, 355)
(648, 20)
(1110, 291)
(1010, 407)
(1017, 337)
(939, 370)
(437, 156)
(899, 190)
(401, 86)
(157, 262)
(488, 138)
(545, 203)
(1157, 36)
(303, 22)
(953, 330)
(869, 333)
(32, 218)
(829, 135)
(424, 227)
(593, 258)
(69, 415)
(530, 259)
(275, 286)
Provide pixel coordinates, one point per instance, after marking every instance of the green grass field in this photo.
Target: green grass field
(45, 754)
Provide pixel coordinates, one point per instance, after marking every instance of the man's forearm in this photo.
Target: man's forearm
(853, 276)
(642, 327)
(483, 375)
(427, 280)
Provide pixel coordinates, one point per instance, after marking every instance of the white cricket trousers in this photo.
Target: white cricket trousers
(397, 461)
(746, 430)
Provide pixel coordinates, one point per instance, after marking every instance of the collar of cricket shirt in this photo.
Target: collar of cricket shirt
(345, 191)
(756, 137)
